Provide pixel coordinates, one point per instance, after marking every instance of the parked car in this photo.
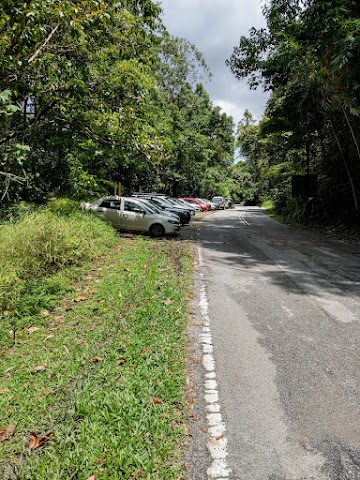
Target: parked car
(185, 206)
(194, 206)
(192, 200)
(219, 202)
(162, 202)
(158, 209)
(209, 203)
(128, 213)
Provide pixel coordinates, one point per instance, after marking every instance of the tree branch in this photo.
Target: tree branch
(48, 38)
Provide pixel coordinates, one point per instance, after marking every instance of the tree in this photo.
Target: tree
(305, 58)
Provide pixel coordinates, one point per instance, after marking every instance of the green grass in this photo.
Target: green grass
(104, 371)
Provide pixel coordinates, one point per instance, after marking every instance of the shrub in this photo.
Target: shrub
(36, 250)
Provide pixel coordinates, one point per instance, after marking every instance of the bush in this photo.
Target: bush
(36, 250)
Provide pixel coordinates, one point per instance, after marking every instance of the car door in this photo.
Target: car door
(112, 212)
(133, 217)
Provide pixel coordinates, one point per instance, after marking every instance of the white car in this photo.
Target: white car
(127, 213)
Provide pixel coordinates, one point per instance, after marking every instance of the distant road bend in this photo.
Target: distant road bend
(284, 318)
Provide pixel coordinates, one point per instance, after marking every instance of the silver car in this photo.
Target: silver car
(126, 213)
(219, 202)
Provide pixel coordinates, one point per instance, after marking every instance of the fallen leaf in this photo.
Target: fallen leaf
(68, 308)
(92, 292)
(45, 313)
(36, 441)
(101, 460)
(146, 265)
(40, 368)
(80, 298)
(4, 390)
(204, 429)
(93, 477)
(96, 359)
(121, 361)
(157, 401)
(220, 437)
(32, 329)
(48, 337)
(8, 433)
(167, 301)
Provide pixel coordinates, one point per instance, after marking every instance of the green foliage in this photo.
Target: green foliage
(35, 250)
(94, 93)
(305, 57)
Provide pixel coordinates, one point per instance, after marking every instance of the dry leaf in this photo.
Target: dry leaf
(40, 368)
(66, 349)
(96, 359)
(4, 390)
(8, 433)
(120, 362)
(204, 429)
(220, 437)
(36, 441)
(48, 337)
(93, 292)
(157, 401)
(32, 329)
(167, 301)
(45, 313)
(101, 460)
(93, 477)
(80, 298)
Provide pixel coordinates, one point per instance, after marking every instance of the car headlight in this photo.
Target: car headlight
(174, 222)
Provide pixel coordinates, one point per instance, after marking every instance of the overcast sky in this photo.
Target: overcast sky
(215, 27)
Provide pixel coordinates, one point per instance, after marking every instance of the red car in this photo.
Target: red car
(202, 205)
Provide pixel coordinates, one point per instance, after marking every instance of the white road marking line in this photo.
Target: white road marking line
(217, 442)
(242, 219)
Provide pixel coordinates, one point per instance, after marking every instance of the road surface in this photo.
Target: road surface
(280, 340)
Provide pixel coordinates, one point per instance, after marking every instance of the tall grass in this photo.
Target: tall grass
(35, 250)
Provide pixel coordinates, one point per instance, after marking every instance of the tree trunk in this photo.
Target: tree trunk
(352, 183)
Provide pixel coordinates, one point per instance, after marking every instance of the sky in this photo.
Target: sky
(215, 27)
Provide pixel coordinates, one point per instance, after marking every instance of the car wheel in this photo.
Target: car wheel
(157, 230)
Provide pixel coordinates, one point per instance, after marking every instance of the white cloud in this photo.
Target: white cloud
(215, 27)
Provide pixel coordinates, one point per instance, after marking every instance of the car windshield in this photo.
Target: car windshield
(174, 202)
(163, 201)
(149, 206)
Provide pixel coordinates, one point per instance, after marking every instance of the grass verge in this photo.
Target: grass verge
(103, 373)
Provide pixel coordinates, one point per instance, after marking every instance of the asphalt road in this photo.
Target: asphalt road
(283, 306)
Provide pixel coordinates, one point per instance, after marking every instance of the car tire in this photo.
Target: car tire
(157, 230)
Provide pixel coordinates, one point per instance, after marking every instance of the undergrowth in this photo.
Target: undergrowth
(36, 250)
